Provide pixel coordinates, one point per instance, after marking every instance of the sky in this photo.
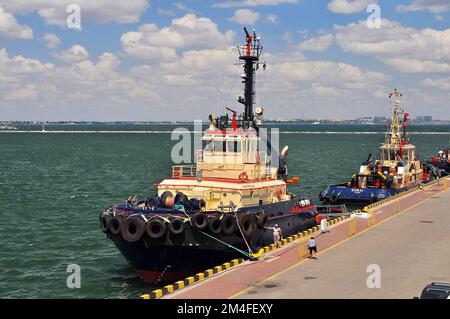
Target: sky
(153, 60)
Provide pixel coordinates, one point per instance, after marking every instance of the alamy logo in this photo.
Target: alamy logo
(374, 20)
(74, 279)
(73, 21)
(374, 279)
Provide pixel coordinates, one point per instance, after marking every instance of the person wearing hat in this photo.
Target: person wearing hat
(277, 234)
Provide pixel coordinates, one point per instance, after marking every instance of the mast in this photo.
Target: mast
(394, 137)
(249, 54)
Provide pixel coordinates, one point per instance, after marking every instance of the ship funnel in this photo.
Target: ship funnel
(285, 151)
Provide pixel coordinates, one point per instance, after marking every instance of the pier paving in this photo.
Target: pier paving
(410, 249)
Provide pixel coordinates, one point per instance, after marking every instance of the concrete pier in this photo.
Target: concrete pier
(393, 254)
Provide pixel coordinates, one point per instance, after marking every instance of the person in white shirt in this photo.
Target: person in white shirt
(312, 246)
(277, 233)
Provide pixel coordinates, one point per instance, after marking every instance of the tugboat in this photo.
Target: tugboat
(224, 207)
(397, 170)
(441, 162)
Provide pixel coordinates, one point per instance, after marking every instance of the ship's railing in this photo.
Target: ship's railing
(255, 50)
(180, 171)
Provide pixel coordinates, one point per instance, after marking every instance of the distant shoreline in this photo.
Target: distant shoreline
(191, 132)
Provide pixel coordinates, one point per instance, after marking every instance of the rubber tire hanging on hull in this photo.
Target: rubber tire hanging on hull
(199, 221)
(262, 220)
(133, 228)
(334, 199)
(247, 224)
(105, 220)
(214, 225)
(228, 224)
(156, 228)
(177, 226)
(115, 225)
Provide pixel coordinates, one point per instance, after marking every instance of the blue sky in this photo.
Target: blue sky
(162, 60)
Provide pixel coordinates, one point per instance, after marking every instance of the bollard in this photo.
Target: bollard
(445, 183)
(352, 227)
(324, 226)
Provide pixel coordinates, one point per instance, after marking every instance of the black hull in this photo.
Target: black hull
(175, 257)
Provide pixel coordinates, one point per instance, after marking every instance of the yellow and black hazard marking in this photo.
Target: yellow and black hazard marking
(158, 293)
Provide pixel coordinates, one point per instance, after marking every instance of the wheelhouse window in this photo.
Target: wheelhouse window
(234, 146)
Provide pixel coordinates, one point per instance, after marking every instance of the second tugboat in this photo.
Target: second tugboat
(441, 163)
(221, 208)
(398, 168)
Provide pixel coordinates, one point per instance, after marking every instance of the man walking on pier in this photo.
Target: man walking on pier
(312, 246)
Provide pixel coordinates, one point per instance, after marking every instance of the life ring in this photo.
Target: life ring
(105, 219)
(214, 225)
(243, 176)
(115, 224)
(133, 228)
(156, 228)
(176, 226)
(228, 224)
(199, 221)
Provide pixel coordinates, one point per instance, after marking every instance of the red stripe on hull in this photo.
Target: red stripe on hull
(153, 277)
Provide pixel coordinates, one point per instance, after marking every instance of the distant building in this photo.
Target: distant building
(424, 119)
(379, 119)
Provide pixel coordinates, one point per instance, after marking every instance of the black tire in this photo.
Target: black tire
(156, 228)
(262, 220)
(214, 225)
(115, 225)
(177, 226)
(334, 199)
(321, 197)
(199, 221)
(181, 199)
(133, 228)
(105, 219)
(228, 224)
(247, 223)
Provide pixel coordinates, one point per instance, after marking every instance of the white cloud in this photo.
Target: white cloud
(180, 6)
(74, 54)
(100, 11)
(21, 66)
(251, 3)
(161, 44)
(406, 49)
(272, 18)
(349, 6)
(27, 93)
(51, 40)
(317, 44)
(434, 6)
(442, 83)
(245, 16)
(164, 12)
(11, 29)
